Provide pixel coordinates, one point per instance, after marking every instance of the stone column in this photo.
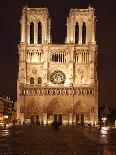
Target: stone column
(72, 31)
(80, 33)
(35, 32)
(44, 118)
(93, 30)
(70, 118)
(87, 32)
(74, 24)
(28, 33)
(46, 33)
(68, 31)
(49, 27)
(23, 27)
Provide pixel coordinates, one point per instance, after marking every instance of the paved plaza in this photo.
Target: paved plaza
(38, 140)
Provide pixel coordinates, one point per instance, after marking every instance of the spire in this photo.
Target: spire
(89, 7)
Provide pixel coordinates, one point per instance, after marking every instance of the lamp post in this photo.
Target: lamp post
(104, 119)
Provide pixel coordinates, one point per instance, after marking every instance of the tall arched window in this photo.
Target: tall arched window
(52, 57)
(76, 33)
(32, 33)
(84, 33)
(39, 33)
(31, 80)
(39, 80)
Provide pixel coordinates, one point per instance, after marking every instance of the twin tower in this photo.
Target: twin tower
(57, 82)
(36, 26)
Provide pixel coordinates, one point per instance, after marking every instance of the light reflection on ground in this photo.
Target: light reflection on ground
(4, 132)
(104, 131)
(38, 140)
(104, 135)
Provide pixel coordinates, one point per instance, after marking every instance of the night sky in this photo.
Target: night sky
(105, 11)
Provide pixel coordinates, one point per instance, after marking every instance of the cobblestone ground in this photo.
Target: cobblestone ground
(38, 140)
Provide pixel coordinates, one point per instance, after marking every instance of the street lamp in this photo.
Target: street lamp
(104, 120)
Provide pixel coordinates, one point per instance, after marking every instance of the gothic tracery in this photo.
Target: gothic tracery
(57, 81)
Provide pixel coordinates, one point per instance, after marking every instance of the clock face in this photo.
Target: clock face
(57, 77)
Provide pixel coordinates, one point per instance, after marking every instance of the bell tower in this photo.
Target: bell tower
(81, 26)
(35, 33)
(57, 81)
(35, 26)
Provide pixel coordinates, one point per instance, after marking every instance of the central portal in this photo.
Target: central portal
(58, 118)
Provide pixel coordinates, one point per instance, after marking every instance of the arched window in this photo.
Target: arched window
(32, 33)
(84, 33)
(77, 33)
(39, 33)
(52, 57)
(55, 58)
(39, 80)
(31, 80)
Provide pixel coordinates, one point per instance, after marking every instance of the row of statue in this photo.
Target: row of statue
(58, 91)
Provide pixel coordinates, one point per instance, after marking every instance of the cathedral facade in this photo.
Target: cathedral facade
(57, 82)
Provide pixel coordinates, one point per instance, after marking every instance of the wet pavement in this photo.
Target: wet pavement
(104, 136)
(38, 140)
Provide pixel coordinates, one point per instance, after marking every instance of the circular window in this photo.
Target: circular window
(58, 77)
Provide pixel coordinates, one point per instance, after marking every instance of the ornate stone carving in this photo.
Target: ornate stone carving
(58, 77)
(65, 70)
(34, 71)
(58, 91)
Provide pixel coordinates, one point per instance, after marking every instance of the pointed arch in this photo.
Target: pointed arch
(80, 107)
(31, 80)
(39, 33)
(77, 33)
(53, 57)
(84, 33)
(39, 80)
(54, 106)
(31, 33)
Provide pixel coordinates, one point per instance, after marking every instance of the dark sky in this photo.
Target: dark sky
(105, 11)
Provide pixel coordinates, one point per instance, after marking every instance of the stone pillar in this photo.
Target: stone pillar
(87, 33)
(23, 27)
(28, 33)
(115, 122)
(44, 30)
(80, 33)
(72, 31)
(35, 32)
(45, 33)
(44, 118)
(49, 27)
(93, 30)
(92, 72)
(70, 118)
(68, 31)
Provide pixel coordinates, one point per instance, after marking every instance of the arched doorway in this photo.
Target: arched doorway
(81, 112)
(54, 111)
(33, 111)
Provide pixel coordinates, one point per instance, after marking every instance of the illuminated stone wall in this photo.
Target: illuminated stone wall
(57, 80)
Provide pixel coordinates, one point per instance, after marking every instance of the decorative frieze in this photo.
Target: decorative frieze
(28, 90)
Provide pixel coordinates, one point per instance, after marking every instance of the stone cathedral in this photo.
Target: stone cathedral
(57, 82)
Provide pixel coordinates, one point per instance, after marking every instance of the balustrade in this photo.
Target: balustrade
(57, 91)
